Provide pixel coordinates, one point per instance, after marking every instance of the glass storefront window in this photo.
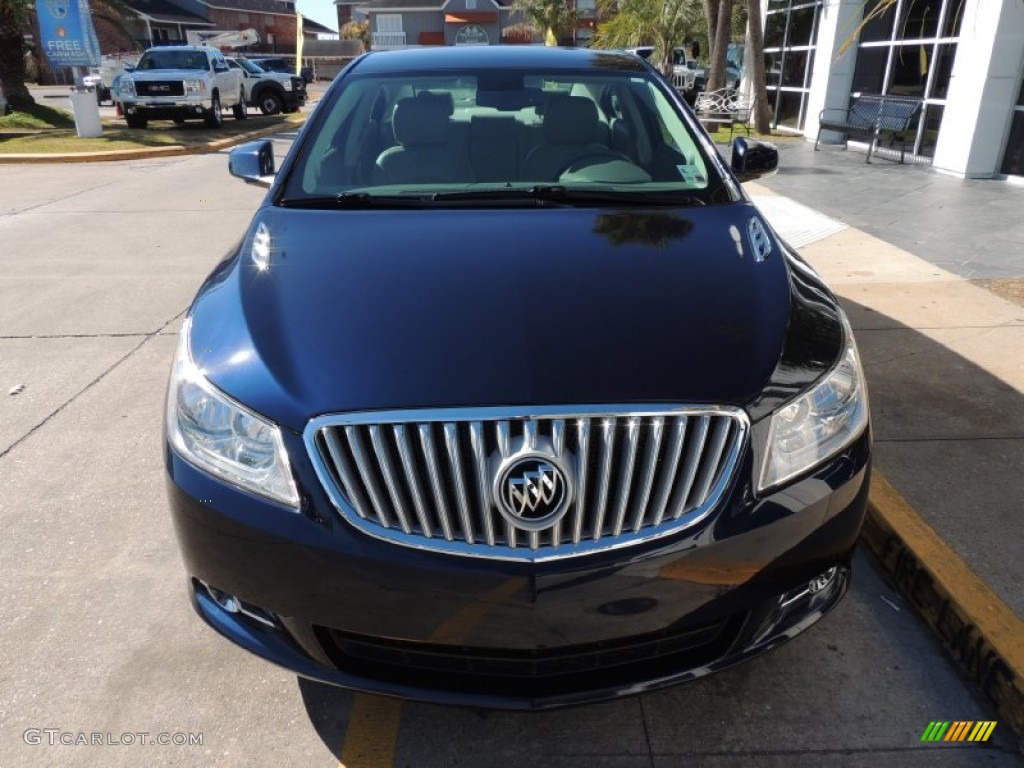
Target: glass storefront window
(918, 19)
(954, 17)
(930, 133)
(909, 71)
(790, 29)
(1013, 159)
(943, 71)
(794, 69)
(870, 70)
(904, 51)
(879, 27)
(789, 108)
(775, 30)
(801, 25)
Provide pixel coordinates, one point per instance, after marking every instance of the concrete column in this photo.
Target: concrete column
(832, 74)
(983, 89)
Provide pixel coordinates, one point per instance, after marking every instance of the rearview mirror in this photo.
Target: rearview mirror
(752, 159)
(253, 162)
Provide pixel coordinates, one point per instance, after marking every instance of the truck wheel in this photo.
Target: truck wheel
(239, 110)
(270, 103)
(134, 121)
(214, 116)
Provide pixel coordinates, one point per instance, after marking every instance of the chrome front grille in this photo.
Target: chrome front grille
(160, 88)
(435, 479)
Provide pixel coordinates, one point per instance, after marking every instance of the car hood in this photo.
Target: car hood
(364, 310)
(168, 74)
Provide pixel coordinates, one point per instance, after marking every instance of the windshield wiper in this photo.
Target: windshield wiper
(356, 200)
(561, 194)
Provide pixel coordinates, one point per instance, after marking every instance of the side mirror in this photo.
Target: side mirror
(752, 159)
(129, 67)
(253, 162)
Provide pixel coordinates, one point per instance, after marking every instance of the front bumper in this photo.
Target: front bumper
(168, 110)
(311, 594)
(294, 98)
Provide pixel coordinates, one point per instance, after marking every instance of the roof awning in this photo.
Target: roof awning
(471, 17)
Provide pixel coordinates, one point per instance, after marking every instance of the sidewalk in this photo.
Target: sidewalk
(944, 359)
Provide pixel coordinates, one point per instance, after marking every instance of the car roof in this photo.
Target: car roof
(496, 57)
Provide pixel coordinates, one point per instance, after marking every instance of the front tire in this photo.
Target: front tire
(270, 103)
(240, 111)
(134, 121)
(215, 117)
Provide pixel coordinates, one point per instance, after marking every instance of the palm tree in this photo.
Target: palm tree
(758, 79)
(14, 15)
(718, 38)
(556, 18)
(661, 23)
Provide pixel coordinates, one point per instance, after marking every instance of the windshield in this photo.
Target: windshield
(453, 134)
(249, 67)
(156, 59)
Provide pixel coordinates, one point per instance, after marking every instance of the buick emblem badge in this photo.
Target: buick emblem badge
(532, 491)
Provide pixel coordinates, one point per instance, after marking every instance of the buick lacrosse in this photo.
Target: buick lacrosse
(509, 396)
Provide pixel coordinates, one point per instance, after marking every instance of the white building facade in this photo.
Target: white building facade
(963, 58)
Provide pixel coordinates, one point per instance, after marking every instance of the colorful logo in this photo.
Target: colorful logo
(958, 730)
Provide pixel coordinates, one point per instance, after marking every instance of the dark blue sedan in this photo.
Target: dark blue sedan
(510, 396)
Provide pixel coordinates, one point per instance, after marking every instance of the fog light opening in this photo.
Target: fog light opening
(235, 606)
(229, 603)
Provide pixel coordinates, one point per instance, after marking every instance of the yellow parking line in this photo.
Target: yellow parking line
(372, 733)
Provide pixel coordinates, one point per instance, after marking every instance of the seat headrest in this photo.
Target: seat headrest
(570, 120)
(419, 121)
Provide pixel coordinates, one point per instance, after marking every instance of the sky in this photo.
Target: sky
(321, 11)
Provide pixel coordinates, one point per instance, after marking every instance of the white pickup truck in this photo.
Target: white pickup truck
(181, 82)
(272, 92)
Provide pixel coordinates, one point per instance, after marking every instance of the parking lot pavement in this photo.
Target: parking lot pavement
(96, 631)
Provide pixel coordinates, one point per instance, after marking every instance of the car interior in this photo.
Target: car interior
(509, 128)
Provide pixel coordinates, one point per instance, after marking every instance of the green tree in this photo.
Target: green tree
(16, 16)
(555, 17)
(664, 24)
(758, 78)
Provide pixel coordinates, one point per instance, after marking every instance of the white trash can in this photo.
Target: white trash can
(87, 114)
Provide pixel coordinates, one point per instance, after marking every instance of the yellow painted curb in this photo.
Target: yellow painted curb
(982, 635)
(150, 152)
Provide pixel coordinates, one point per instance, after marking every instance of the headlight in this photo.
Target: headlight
(287, 84)
(127, 87)
(222, 436)
(195, 86)
(819, 423)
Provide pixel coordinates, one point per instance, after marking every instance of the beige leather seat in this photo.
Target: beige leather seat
(571, 132)
(426, 152)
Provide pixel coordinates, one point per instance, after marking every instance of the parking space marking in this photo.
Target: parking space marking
(371, 735)
(984, 637)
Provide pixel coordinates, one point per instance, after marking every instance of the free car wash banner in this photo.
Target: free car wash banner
(67, 34)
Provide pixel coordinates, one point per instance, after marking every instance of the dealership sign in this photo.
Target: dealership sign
(67, 34)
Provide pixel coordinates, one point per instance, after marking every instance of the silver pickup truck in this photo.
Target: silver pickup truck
(181, 82)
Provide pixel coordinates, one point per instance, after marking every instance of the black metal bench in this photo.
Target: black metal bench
(871, 115)
(726, 106)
